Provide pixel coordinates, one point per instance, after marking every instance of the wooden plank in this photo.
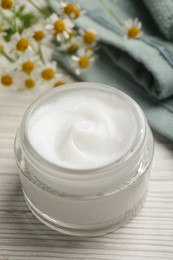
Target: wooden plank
(22, 236)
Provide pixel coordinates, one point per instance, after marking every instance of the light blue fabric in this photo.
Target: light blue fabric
(142, 68)
(162, 12)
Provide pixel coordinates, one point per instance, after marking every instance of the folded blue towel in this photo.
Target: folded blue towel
(143, 68)
(162, 12)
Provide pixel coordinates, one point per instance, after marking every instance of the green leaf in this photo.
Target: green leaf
(28, 19)
(21, 8)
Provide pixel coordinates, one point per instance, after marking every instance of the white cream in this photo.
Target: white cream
(84, 126)
(83, 129)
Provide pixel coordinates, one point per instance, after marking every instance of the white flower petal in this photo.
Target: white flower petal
(15, 37)
(136, 21)
(53, 17)
(75, 58)
(59, 37)
(68, 23)
(27, 33)
(78, 71)
(91, 30)
(139, 25)
(68, 30)
(92, 59)
(66, 35)
(81, 52)
(49, 26)
(63, 4)
(89, 53)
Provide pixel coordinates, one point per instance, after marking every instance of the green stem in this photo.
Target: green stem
(112, 13)
(7, 56)
(38, 8)
(40, 53)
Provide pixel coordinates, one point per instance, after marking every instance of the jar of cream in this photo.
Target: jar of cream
(84, 151)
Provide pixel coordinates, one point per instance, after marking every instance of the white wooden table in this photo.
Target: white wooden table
(22, 236)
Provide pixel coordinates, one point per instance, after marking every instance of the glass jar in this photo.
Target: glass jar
(85, 202)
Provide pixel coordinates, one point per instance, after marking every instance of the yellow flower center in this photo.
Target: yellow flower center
(72, 48)
(59, 26)
(59, 83)
(48, 74)
(29, 83)
(69, 9)
(71, 34)
(22, 45)
(38, 36)
(84, 62)
(7, 4)
(7, 80)
(89, 37)
(28, 67)
(133, 32)
(76, 13)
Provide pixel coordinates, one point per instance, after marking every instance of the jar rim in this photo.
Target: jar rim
(134, 149)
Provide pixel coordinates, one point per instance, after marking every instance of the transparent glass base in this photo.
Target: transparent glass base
(85, 230)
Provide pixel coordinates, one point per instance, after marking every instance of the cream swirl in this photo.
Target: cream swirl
(83, 129)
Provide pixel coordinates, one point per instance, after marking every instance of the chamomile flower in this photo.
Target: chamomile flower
(90, 36)
(40, 34)
(72, 9)
(83, 60)
(132, 29)
(48, 71)
(74, 44)
(50, 78)
(7, 79)
(61, 28)
(21, 43)
(28, 63)
(10, 79)
(59, 83)
(30, 82)
(9, 4)
(60, 80)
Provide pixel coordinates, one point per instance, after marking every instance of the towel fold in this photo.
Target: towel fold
(162, 12)
(143, 68)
